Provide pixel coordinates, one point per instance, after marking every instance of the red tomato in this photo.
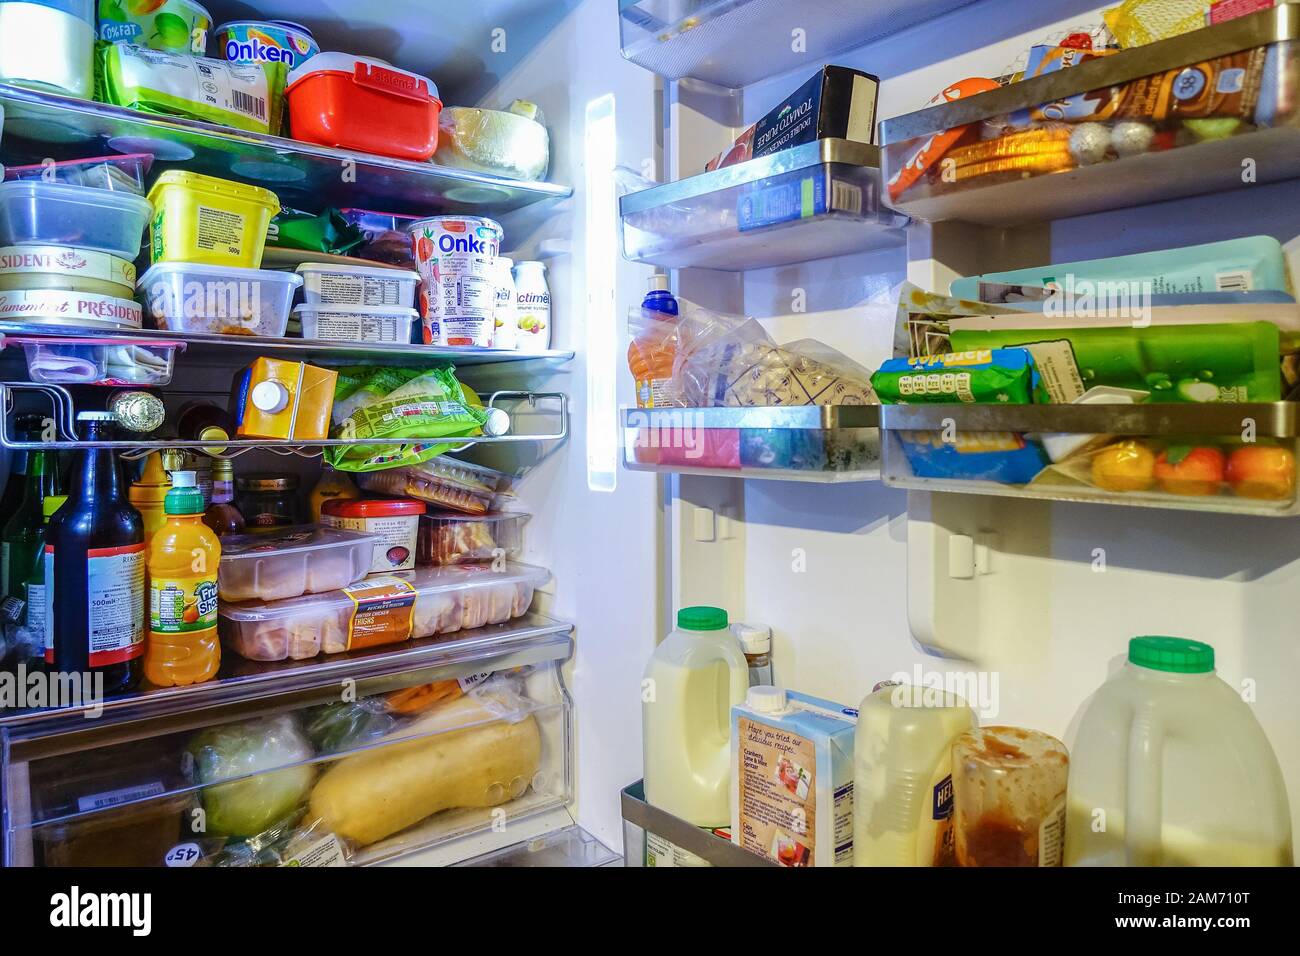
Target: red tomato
(1262, 471)
(1183, 470)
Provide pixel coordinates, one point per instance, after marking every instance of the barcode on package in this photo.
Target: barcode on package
(247, 103)
(1239, 281)
(113, 798)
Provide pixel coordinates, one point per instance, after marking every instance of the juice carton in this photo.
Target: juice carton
(274, 398)
(792, 782)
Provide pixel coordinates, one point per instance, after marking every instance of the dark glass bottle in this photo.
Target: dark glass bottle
(27, 428)
(222, 516)
(22, 541)
(95, 561)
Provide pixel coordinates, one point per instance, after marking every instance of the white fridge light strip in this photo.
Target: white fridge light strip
(602, 243)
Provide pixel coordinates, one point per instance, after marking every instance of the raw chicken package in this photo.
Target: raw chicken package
(381, 609)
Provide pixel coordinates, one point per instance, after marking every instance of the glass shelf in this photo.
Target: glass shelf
(37, 125)
(733, 43)
(814, 201)
(1120, 159)
(201, 344)
(819, 443)
(1232, 458)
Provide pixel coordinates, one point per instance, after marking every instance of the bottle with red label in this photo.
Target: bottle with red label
(95, 562)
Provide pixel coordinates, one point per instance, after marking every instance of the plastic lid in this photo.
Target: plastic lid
(702, 618)
(51, 504)
(269, 397)
(40, 190)
(198, 270)
(96, 417)
(1175, 655)
(754, 638)
(185, 498)
(659, 282)
(348, 63)
(371, 507)
(378, 311)
(224, 187)
(290, 540)
(378, 271)
(766, 699)
(497, 422)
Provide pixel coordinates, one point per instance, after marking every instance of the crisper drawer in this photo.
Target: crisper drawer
(406, 751)
(1214, 109)
(1237, 458)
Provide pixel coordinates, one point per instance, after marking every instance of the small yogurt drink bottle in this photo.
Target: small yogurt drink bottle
(506, 312)
(533, 309)
(694, 678)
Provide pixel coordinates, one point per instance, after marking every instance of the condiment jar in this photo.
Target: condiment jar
(267, 500)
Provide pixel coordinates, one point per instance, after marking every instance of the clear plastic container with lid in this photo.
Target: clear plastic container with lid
(382, 609)
(447, 537)
(1009, 797)
(357, 323)
(1171, 768)
(48, 45)
(37, 213)
(124, 173)
(293, 561)
(96, 361)
(219, 300)
(348, 285)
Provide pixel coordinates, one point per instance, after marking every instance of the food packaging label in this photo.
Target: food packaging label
(66, 261)
(383, 609)
(395, 548)
(456, 259)
(327, 851)
(114, 590)
(71, 308)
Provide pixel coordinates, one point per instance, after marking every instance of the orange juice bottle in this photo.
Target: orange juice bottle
(653, 349)
(182, 647)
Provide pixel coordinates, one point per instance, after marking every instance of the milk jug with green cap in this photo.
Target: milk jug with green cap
(693, 679)
(1171, 768)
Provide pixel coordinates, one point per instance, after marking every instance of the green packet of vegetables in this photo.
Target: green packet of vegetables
(386, 404)
(247, 96)
(994, 376)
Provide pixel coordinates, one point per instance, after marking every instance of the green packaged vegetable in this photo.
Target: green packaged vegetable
(247, 96)
(387, 404)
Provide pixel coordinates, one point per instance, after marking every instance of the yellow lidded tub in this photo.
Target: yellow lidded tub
(210, 221)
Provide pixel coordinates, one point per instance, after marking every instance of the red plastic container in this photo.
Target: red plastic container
(356, 102)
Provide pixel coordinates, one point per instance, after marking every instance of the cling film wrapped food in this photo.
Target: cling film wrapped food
(444, 481)
(509, 143)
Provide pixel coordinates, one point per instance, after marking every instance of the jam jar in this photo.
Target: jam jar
(268, 500)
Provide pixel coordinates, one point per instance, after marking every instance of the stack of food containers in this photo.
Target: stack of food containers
(207, 237)
(69, 235)
(355, 303)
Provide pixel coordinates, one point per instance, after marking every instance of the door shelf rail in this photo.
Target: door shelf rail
(40, 124)
(815, 443)
(520, 405)
(816, 201)
(1118, 164)
(641, 818)
(1123, 454)
(200, 343)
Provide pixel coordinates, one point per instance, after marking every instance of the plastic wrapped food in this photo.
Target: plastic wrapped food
(447, 538)
(285, 563)
(240, 95)
(382, 609)
(333, 728)
(443, 481)
(513, 144)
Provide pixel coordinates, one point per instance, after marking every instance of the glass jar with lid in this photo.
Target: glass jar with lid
(268, 500)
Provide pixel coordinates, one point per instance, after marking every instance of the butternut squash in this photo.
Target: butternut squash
(371, 795)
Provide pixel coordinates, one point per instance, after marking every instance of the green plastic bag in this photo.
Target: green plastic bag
(389, 403)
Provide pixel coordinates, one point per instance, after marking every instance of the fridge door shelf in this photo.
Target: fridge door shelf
(39, 124)
(1014, 160)
(235, 347)
(569, 847)
(818, 443)
(1231, 458)
(641, 818)
(534, 416)
(815, 201)
(128, 793)
(732, 43)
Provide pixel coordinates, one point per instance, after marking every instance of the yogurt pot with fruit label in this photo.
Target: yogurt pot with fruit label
(456, 258)
(173, 26)
(265, 41)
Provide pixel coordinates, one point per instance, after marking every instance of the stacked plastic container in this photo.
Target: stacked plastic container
(354, 303)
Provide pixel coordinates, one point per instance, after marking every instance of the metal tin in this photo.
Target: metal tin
(66, 268)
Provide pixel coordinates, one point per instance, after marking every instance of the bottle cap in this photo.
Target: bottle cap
(269, 397)
(754, 638)
(765, 699)
(51, 504)
(1174, 655)
(497, 422)
(185, 479)
(702, 618)
(223, 469)
(659, 282)
(185, 498)
(213, 433)
(96, 417)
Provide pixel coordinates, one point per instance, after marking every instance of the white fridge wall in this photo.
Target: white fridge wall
(605, 549)
(828, 566)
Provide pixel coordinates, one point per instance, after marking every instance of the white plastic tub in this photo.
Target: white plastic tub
(186, 297)
(290, 562)
(347, 323)
(36, 213)
(445, 600)
(97, 361)
(325, 284)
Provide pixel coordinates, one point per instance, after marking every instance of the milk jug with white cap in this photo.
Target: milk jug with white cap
(902, 776)
(1170, 767)
(693, 679)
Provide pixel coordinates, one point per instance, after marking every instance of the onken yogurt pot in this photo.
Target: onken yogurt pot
(455, 256)
(56, 307)
(394, 521)
(265, 41)
(67, 269)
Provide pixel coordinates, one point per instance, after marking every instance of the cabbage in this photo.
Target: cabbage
(247, 806)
